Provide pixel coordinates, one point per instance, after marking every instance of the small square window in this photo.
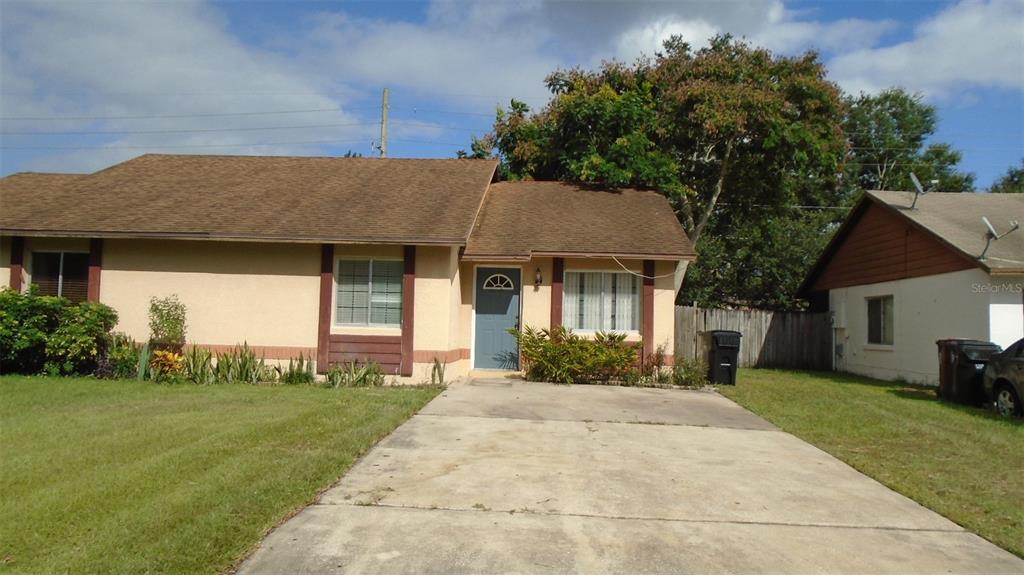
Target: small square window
(880, 320)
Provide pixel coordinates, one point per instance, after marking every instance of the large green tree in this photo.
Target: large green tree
(728, 123)
(888, 134)
(1012, 182)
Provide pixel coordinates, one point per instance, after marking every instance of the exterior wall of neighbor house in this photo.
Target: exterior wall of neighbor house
(535, 300)
(1006, 309)
(925, 309)
(262, 294)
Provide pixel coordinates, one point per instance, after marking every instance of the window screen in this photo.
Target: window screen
(369, 292)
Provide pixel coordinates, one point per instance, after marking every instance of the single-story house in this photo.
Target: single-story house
(896, 279)
(400, 261)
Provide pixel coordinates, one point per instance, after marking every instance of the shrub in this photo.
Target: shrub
(81, 337)
(241, 365)
(197, 366)
(354, 374)
(437, 372)
(299, 371)
(165, 366)
(26, 321)
(167, 323)
(560, 356)
(121, 359)
(690, 372)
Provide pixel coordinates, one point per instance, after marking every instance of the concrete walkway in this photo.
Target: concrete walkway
(511, 477)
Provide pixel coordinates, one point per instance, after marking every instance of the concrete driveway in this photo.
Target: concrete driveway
(508, 477)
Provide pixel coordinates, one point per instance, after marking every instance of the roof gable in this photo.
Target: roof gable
(882, 239)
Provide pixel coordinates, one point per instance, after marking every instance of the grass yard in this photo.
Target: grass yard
(962, 462)
(134, 477)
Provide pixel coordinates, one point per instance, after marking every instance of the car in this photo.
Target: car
(1004, 380)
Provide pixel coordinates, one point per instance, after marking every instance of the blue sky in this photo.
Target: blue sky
(87, 84)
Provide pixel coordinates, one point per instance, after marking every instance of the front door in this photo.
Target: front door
(497, 311)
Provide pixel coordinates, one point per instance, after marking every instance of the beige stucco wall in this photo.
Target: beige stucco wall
(263, 294)
(536, 300)
(5, 262)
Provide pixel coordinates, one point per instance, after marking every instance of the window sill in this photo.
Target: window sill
(631, 335)
(342, 329)
(878, 347)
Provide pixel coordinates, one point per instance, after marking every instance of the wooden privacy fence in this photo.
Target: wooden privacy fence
(796, 340)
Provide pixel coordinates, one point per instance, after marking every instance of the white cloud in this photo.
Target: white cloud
(970, 44)
(648, 39)
(154, 59)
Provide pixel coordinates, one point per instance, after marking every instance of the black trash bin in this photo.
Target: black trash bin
(961, 365)
(723, 356)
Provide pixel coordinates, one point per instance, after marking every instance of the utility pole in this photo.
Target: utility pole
(384, 124)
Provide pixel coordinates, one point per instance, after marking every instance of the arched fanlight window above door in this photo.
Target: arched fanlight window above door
(499, 282)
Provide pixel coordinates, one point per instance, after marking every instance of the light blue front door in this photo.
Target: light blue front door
(497, 311)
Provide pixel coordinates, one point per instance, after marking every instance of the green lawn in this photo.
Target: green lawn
(960, 461)
(133, 477)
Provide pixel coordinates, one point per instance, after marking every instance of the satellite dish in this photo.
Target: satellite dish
(991, 229)
(920, 189)
(992, 235)
(917, 184)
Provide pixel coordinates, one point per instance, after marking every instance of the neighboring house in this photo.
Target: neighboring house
(398, 261)
(898, 279)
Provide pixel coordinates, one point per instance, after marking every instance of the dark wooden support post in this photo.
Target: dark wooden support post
(323, 340)
(647, 321)
(95, 268)
(557, 281)
(408, 309)
(17, 261)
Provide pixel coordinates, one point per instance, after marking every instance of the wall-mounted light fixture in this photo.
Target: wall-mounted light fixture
(537, 278)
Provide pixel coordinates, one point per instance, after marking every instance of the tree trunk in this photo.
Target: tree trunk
(719, 184)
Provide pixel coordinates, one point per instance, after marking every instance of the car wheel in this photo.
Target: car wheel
(1007, 402)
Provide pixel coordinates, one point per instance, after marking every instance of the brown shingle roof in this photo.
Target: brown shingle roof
(255, 197)
(523, 218)
(955, 219)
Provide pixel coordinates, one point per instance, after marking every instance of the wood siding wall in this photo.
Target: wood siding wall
(794, 340)
(383, 349)
(882, 247)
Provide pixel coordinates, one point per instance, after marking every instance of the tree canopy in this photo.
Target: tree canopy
(887, 135)
(1012, 182)
(754, 150)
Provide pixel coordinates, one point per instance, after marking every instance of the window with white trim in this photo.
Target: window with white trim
(601, 301)
(64, 274)
(880, 320)
(368, 292)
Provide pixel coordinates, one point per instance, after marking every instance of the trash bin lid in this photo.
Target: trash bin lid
(971, 349)
(723, 338)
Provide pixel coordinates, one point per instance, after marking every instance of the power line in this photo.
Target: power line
(182, 131)
(164, 116)
(254, 144)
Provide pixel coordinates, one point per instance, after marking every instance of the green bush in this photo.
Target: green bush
(26, 322)
(44, 332)
(560, 356)
(121, 359)
(81, 337)
(167, 323)
(299, 371)
(241, 365)
(354, 374)
(197, 366)
(690, 372)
